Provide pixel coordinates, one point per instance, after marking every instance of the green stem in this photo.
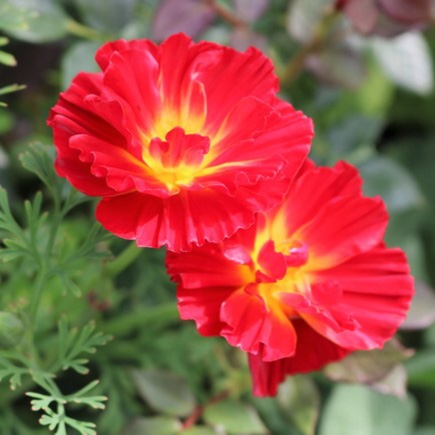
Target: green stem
(36, 295)
(161, 315)
(123, 260)
(83, 31)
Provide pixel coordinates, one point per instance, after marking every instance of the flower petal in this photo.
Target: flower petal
(312, 353)
(342, 229)
(377, 291)
(179, 221)
(254, 328)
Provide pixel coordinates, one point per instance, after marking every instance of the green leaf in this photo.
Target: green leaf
(11, 330)
(357, 410)
(73, 343)
(353, 139)
(421, 369)
(397, 187)
(406, 60)
(14, 16)
(299, 399)
(79, 57)
(153, 425)
(7, 59)
(107, 15)
(424, 430)
(45, 21)
(165, 392)
(235, 418)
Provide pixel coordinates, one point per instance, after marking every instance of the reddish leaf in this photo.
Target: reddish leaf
(189, 16)
(422, 311)
(406, 11)
(373, 368)
(250, 10)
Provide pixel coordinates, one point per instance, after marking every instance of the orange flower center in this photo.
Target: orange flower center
(176, 160)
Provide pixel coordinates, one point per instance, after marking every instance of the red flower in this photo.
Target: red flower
(185, 142)
(309, 283)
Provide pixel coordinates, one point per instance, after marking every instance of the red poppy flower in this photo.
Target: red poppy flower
(185, 142)
(310, 282)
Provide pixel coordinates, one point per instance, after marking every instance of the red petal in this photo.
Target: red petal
(104, 54)
(206, 279)
(314, 188)
(377, 291)
(342, 229)
(132, 79)
(177, 222)
(257, 142)
(256, 328)
(121, 171)
(180, 148)
(312, 353)
(250, 74)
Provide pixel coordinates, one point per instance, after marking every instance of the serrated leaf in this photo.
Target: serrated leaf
(235, 418)
(406, 60)
(165, 392)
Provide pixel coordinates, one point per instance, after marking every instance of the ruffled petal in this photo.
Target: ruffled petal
(179, 221)
(257, 142)
(105, 52)
(120, 170)
(376, 291)
(255, 328)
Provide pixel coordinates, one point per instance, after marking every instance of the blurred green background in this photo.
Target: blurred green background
(365, 76)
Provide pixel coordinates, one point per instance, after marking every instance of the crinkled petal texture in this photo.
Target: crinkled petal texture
(185, 142)
(310, 282)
